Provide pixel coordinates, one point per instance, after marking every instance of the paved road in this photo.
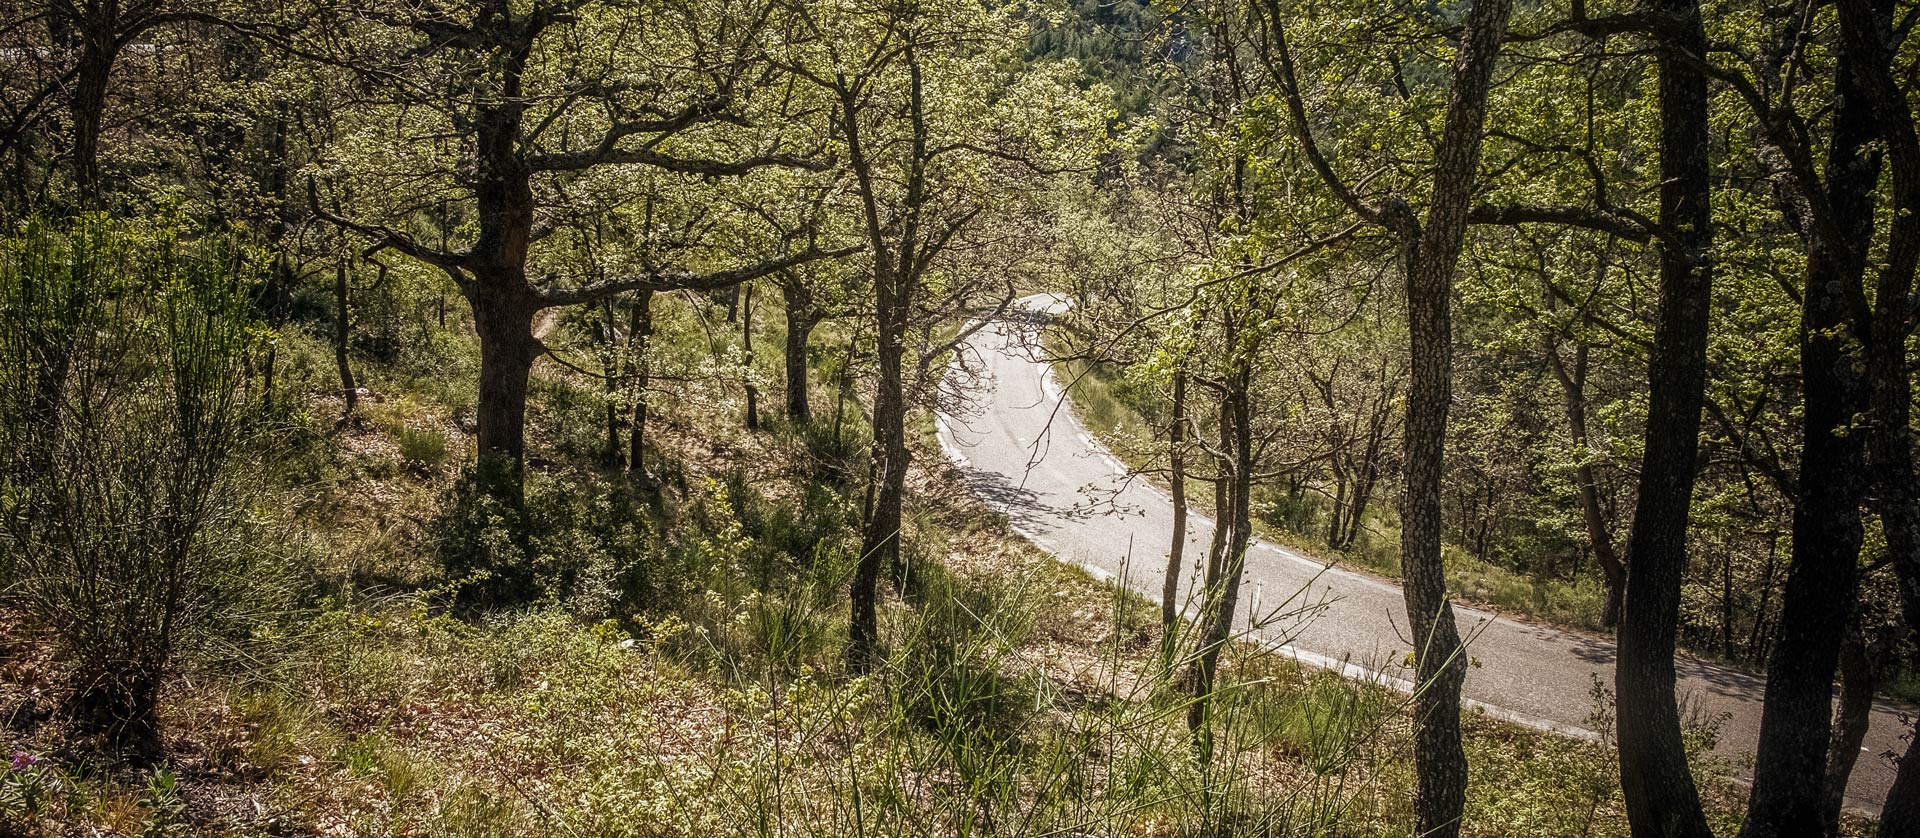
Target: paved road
(1023, 451)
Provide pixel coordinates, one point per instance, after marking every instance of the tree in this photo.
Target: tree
(528, 117)
(1867, 32)
(972, 139)
(1430, 251)
(1836, 217)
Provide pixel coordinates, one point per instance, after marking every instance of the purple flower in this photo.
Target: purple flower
(23, 761)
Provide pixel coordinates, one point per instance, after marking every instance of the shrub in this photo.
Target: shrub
(122, 408)
(572, 543)
(422, 447)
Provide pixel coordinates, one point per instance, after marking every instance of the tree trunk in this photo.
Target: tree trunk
(1337, 520)
(1817, 602)
(610, 383)
(1362, 493)
(1660, 794)
(1858, 680)
(1222, 507)
(341, 324)
(1432, 254)
(746, 349)
(880, 538)
(800, 322)
(88, 105)
(1225, 566)
(1900, 817)
(1176, 550)
(1866, 27)
(1898, 505)
(503, 319)
(640, 332)
(1439, 759)
(1573, 384)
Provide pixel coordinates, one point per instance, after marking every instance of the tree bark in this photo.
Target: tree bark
(610, 383)
(1432, 253)
(880, 538)
(1176, 550)
(1573, 384)
(1866, 27)
(1225, 565)
(801, 318)
(1818, 599)
(99, 33)
(746, 348)
(1362, 492)
(341, 325)
(640, 333)
(503, 302)
(1660, 794)
(1439, 759)
(897, 266)
(1858, 679)
(504, 322)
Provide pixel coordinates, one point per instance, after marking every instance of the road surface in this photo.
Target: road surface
(1023, 451)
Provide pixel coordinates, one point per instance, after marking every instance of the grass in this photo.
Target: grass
(1018, 696)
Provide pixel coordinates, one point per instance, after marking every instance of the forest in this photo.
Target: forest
(959, 418)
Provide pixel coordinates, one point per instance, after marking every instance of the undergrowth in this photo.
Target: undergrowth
(679, 670)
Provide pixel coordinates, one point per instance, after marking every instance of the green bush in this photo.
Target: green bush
(1324, 724)
(422, 447)
(124, 407)
(952, 678)
(573, 542)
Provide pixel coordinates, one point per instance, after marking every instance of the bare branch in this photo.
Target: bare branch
(569, 161)
(682, 280)
(384, 237)
(1623, 226)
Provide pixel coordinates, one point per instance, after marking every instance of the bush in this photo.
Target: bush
(122, 407)
(571, 543)
(953, 678)
(422, 447)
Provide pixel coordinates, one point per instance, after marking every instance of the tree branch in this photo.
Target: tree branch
(1623, 226)
(571, 161)
(678, 280)
(384, 237)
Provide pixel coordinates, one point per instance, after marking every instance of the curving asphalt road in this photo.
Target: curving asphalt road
(1021, 449)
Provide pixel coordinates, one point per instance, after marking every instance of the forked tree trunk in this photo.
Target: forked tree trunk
(897, 264)
(1816, 604)
(1225, 564)
(1362, 494)
(1662, 801)
(1866, 26)
(1176, 550)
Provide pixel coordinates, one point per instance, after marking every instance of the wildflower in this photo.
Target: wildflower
(23, 761)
